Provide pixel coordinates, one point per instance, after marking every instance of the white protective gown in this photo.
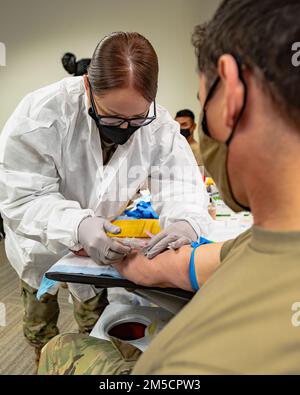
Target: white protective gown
(52, 176)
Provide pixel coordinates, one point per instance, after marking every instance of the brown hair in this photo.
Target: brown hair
(261, 34)
(121, 60)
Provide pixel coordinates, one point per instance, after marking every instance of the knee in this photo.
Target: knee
(59, 342)
(54, 353)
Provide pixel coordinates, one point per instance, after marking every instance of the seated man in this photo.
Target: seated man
(186, 120)
(79, 354)
(244, 318)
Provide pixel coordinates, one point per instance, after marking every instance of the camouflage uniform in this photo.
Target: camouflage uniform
(83, 355)
(40, 316)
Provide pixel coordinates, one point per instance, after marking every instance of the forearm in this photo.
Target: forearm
(170, 269)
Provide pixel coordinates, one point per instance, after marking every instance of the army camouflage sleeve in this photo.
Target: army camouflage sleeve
(74, 354)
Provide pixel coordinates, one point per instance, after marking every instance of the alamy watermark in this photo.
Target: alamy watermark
(180, 184)
(2, 315)
(2, 54)
(296, 54)
(296, 316)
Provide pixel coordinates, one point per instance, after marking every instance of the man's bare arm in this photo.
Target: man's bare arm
(171, 268)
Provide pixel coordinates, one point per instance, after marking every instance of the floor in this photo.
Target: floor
(16, 356)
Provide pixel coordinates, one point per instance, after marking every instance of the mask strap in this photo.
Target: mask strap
(208, 97)
(92, 99)
(241, 77)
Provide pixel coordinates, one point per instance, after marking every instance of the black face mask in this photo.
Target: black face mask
(185, 132)
(215, 153)
(113, 134)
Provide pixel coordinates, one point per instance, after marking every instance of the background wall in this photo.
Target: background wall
(38, 32)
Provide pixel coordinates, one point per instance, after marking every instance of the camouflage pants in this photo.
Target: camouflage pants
(40, 316)
(83, 355)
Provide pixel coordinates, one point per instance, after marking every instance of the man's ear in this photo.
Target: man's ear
(193, 127)
(233, 89)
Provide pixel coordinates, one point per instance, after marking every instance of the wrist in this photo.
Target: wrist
(84, 215)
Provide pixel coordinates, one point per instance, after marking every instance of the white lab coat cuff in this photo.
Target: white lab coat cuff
(76, 246)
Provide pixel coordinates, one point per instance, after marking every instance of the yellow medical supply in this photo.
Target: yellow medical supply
(209, 181)
(136, 227)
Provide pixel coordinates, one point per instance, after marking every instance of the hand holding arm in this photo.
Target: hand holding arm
(101, 248)
(175, 235)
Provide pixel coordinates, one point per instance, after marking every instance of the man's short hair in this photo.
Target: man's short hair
(261, 34)
(186, 113)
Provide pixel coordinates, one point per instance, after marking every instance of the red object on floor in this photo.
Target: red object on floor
(128, 331)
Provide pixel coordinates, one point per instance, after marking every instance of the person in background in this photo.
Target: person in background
(76, 68)
(186, 120)
(244, 319)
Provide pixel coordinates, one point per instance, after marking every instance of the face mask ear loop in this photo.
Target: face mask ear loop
(236, 123)
(209, 96)
(93, 106)
(241, 77)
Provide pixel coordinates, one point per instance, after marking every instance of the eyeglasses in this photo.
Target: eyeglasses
(109, 120)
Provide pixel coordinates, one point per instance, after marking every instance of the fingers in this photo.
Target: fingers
(161, 246)
(180, 242)
(111, 258)
(111, 228)
(156, 239)
(108, 252)
(118, 247)
(114, 256)
(107, 258)
(114, 252)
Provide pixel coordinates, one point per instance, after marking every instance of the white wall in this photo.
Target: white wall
(38, 32)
